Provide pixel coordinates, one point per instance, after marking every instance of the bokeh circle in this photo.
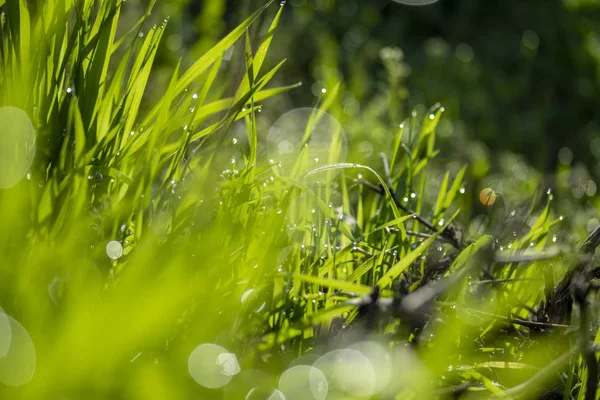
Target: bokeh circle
(17, 146)
(308, 138)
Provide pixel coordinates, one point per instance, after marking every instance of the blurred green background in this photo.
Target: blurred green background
(513, 76)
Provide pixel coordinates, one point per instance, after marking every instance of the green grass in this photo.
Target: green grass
(273, 257)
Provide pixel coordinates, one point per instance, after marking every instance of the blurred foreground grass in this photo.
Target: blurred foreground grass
(181, 251)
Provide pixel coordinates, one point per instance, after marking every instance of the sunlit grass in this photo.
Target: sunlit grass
(177, 251)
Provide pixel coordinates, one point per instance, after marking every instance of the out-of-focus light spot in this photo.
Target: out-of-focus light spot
(317, 88)
(351, 106)
(590, 188)
(276, 395)
(5, 333)
(416, 2)
(114, 250)
(462, 190)
(286, 139)
(593, 224)
(530, 39)
(464, 53)
(303, 382)
(445, 128)
(174, 42)
(578, 190)
(366, 148)
(349, 371)
(436, 47)
(487, 197)
(247, 294)
(55, 289)
(17, 145)
(595, 147)
(380, 360)
(18, 364)
(212, 366)
(565, 156)
(228, 53)
(348, 8)
(356, 36)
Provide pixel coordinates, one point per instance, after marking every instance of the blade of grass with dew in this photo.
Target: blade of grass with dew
(411, 257)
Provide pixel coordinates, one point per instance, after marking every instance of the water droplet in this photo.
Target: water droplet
(234, 141)
(69, 90)
(195, 96)
(462, 190)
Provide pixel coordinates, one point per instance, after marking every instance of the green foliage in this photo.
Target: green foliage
(148, 226)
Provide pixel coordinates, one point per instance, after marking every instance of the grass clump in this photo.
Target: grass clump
(167, 248)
